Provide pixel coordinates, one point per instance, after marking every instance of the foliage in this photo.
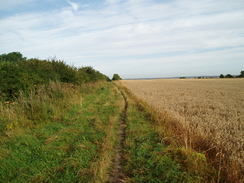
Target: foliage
(116, 77)
(241, 74)
(21, 74)
(231, 76)
(228, 76)
(11, 57)
(221, 76)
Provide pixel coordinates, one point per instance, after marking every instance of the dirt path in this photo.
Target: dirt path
(117, 175)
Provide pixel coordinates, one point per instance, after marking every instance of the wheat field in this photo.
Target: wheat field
(210, 108)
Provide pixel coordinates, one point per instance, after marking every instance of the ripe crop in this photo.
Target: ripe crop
(212, 109)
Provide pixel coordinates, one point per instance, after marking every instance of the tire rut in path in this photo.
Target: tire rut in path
(117, 175)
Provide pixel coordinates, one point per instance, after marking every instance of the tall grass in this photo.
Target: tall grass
(41, 105)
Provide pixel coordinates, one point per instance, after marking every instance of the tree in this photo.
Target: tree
(228, 76)
(116, 77)
(11, 57)
(221, 76)
(241, 75)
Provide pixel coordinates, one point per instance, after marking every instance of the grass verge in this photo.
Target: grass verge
(72, 143)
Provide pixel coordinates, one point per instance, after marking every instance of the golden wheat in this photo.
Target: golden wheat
(210, 108)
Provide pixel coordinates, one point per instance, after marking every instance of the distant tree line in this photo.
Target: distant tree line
(230, 76)
(17, 73)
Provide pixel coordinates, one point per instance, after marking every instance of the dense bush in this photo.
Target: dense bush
(228, 76)
(116, 77)
(221, 76)
(18, 73)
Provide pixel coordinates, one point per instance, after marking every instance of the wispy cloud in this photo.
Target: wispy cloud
(153, 38)
(75, 6)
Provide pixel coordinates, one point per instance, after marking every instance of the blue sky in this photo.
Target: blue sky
(134, 38)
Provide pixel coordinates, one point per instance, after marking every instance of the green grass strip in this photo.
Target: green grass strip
(65, 150)
(148, 158)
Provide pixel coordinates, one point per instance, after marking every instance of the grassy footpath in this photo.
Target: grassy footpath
(73, 135)
(79, 147)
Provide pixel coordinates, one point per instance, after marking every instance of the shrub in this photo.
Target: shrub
(221, 76)
(21, 74)
(116, 77)
(228, 76)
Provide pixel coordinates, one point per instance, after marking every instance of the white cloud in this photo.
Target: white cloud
(75, 6)
(150, 38)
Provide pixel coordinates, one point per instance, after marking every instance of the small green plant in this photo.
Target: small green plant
(11, 126)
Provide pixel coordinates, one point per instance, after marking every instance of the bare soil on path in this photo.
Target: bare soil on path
(117, 175)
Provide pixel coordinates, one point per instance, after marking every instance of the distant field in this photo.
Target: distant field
(211, 108)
